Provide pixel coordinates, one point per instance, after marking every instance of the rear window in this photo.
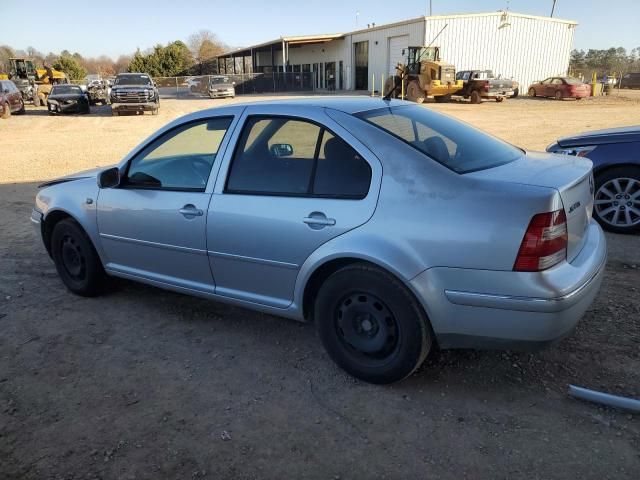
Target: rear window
(450, 142)
(572, 81)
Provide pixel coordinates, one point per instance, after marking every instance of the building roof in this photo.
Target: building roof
(310, 39)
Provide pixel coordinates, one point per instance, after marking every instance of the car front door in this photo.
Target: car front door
(293, 183)
(152, 226)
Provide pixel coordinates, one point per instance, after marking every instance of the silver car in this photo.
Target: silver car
(392, 227)
(221, 87)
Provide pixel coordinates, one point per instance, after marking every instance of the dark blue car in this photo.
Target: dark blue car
(616, 168)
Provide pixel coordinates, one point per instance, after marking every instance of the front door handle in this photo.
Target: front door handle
(318, 220)
(190, 211)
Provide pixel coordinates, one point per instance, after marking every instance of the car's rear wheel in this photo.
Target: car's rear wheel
(371, 325)
(76, 260)
(617, 200)
(532, 92)
(558, 95)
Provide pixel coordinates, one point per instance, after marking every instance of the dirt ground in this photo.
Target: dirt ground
(145, 384)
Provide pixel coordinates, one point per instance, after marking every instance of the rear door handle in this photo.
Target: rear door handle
(190, 211)
(318, 220)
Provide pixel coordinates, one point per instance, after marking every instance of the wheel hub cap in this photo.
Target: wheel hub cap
(617, 202)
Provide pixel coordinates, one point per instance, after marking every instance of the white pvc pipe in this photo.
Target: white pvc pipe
(605, 398)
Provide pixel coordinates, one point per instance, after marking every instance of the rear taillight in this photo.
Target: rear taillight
(544, 244)
(486, 86)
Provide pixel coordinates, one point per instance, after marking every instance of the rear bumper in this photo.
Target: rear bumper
(489, 309)
(498, 94)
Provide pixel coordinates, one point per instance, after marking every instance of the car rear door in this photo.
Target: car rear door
(153, 226)
(295, 180)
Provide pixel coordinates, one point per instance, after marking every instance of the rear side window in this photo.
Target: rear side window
(454, 144)
(285, 156)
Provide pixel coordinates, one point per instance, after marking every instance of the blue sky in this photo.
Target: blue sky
(117, 27)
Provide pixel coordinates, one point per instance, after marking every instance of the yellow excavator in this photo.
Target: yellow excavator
(30, 79)
(423, 75)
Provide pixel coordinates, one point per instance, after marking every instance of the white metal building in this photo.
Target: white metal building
(523, 47)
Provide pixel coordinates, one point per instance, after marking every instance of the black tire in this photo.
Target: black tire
(475, 97)
(22, 109)
(87, 110)
(371, 325)
(7, 111)
(558, 95)
(442, 99)
(516, 92)
(414, 92)
(499, 99)
(606, 219)
(76, 259)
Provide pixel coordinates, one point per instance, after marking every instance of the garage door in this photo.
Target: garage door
(396, 45)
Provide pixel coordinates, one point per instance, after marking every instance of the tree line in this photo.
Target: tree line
(605, 62)
(174, 59)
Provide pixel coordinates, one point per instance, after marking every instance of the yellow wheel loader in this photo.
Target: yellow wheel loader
(423, 75)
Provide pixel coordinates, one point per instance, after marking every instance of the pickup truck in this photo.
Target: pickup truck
(134, 92)
(479, 84)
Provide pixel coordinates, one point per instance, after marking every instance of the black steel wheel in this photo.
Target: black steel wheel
(76, 260)
(371, 325)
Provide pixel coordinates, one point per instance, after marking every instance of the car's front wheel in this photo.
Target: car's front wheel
(617, 200)
(76, 259)
(371, 325)
(532, 92)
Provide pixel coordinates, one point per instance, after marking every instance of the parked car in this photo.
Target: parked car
(630, 80)
(615, 154)
(134, 92)
(10, 99)
(67, 99)
(560, 88)
(221, 87)
(392, 227)
(479, 84)
(98, 91)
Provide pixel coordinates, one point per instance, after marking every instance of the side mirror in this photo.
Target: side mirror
(109, 178)
(280, 150)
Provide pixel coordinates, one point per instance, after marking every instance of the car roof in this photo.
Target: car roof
(347, 104)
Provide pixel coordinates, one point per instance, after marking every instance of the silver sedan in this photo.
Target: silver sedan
(393, 228)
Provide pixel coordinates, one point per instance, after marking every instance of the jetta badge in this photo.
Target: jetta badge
(591, 187)
(574, 206)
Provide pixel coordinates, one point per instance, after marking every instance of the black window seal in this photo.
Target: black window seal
(323, 128)
(135, 186)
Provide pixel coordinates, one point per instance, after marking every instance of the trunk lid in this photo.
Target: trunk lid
(600, 137)
(571, 177)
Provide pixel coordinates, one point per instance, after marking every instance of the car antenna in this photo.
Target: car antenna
(387, 97)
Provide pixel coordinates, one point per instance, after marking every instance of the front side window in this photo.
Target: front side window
(180, 159)
(285, 156)
(450, 142)
(546, 81)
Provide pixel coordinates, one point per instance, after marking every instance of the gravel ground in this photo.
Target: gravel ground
(146, 384)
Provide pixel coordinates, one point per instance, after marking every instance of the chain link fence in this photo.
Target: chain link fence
(250, 83)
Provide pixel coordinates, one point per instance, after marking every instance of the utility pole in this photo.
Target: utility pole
(553, 8)
(430, 8)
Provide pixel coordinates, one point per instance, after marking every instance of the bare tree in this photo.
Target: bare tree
(205, 45)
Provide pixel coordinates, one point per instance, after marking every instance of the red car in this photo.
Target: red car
(10, 99)
(559, 88)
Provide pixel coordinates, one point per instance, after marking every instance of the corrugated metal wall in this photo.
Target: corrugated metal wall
(529, 49)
